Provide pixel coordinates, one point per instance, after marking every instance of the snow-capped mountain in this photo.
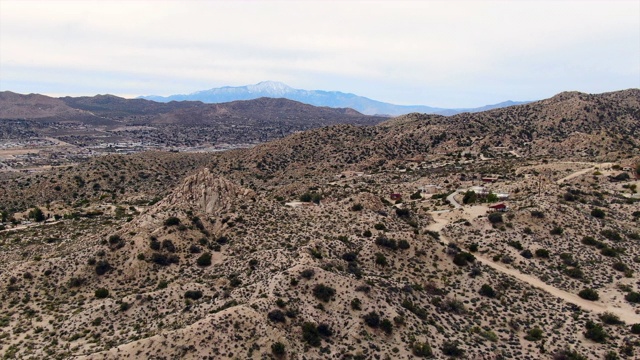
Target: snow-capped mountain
(334, 99)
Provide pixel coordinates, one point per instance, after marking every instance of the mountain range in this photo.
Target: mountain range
(334, 99)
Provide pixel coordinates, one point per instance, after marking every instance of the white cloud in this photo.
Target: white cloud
(406, 52)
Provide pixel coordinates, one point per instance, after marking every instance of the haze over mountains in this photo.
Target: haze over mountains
(335, 99)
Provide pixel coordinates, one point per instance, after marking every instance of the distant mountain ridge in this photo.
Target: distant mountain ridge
(334, 99)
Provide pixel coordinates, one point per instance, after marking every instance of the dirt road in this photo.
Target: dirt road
(627, 315)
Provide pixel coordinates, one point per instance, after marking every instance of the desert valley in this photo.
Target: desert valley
(272, 229)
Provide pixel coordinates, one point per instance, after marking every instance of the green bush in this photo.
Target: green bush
(193, 294)
(381, 259)
(632, 297)
(323, 292)
(542, 253)
(557, 230)
(379, 226)
(595, 332)
(172, 221)
(310, 334)
(276, 316)
(487, 290)
(372, 319)
(534, 334)
(356, 207)
(204, 259)
(611, 235)
(278, 349)
(386, 326)
(635, 329)
(495, 218)
(469, 197)
(611, 319)
(101, 293)
(452, 348)
(589, 294)
(422, 350)
(102, 267)
(598, 213)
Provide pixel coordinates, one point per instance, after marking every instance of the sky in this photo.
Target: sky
(439, 53)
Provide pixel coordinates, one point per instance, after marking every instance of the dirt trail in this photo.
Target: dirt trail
(584, 171)
(627, 315)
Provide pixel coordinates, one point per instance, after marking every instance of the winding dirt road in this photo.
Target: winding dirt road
(625, 314)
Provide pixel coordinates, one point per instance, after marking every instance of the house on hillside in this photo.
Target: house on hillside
(396, 196)
(499, 207)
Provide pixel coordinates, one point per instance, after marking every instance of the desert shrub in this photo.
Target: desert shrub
(589, 294)
(172, 221)
(356, 207)
(487, 290)
(609, 252)
(575, 272)
(349, 256)
(372, 319)
(469, 197)
(598, 213)
(381, 259)
(527, 254)
(537, 214)
(415, 196)
(204, 259)
(310, 334)
(168, 245)
(473, 247)
(307, 273)
(452, 348)
(515, 244)
(124, 306)
(356, 304)
(620, 266)
(589, 241)
(276, 315)
(194, 249)
(462, 258)
(611, 235)
(569, 196)
(114, 239)
(534, 334)
(557, 230)
(278, 349)
(453, 306)
(542, 253)
(386, 326)
(635, 328)
(154, 244)
(422, 350)
(611, 319)
(567, 354)
(193, 294)
(325, 330)
(495, 218)
(595, 332)
(379, 226)
(102, 267)
(632, 297)
(386, 242)
(403, 244)
(323, 292)
(101, 293)
(367, 233)
(403, 212)
(76, 282)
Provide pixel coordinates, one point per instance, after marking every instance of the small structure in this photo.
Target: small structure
(479, 190)
(503, 196)
(489, 179)
(396, 196)
(626, 168)
(429, 189)
(499, 207)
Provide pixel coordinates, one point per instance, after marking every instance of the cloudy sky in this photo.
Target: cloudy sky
(438, 53)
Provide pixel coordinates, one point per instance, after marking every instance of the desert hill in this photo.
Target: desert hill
(344, 242)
